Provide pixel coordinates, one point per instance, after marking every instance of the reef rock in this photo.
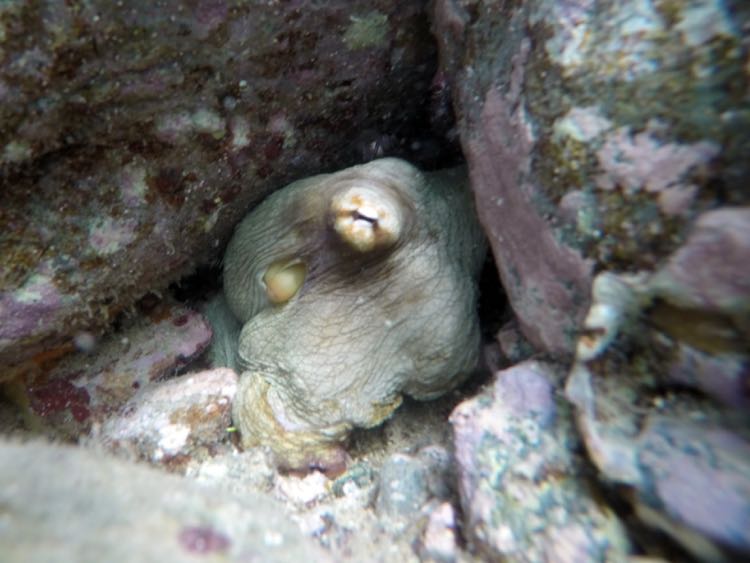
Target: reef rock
(71, 504)
(66, 398)
(133, 135)
(660, 387)
(596, 134)
(175, 421)
(522, 484)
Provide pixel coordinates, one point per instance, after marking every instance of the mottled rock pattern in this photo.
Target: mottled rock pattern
(596, 133)
(402, 488)
(76, 505)
(438, 542)
(520, 480)
(66, 398)
(134, 135)
(174, 421)
(340, 513)
(660, 394)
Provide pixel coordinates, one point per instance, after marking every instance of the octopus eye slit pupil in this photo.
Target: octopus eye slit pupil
(357, 216)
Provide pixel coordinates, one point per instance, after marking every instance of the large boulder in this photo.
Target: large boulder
(596, 133)
(134, 135)
(522, 483)
(72, 504)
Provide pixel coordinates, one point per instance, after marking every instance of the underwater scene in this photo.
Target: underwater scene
(445, 281)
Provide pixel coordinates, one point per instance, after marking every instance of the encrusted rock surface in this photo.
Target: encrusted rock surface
(68, 397)
(96, 508)
(601, 137)
(660, 393)
(133, 135)
(596, 133)
(175, 421)
(521, 482)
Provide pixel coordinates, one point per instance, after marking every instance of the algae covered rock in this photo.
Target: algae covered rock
(596, 133)
(660, 385)
(134, 135)
(521, 481)
(351, 289)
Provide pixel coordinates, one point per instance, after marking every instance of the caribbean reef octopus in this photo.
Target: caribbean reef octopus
(342, 293)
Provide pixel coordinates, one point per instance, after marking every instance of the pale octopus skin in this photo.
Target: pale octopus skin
(351, 289)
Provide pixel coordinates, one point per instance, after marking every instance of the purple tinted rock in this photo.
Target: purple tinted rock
(168, 422)
(87, 388)
(710, 271)
(133, 136)
(547, 286)
(528, 392)
(36, 303)
(514, 347)
(439, 539)
(521, 481)
(726, 377)
(592, 145)
(700, 476)
(681, 459)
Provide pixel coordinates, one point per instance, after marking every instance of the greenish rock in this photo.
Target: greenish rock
(370, 30)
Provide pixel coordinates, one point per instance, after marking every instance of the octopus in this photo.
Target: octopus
(342, 293)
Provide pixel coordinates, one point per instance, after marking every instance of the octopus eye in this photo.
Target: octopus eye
(366, 218)
(283, 280)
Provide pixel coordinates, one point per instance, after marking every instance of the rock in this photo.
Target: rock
(439, 539)
(135, 135)
(596, 134)
(303, 490)
(514, 347)
(522, 485)
(358, 475)
(438, 462)
(77, 505)
(172, 422)
(658, 385)
(237, 472)
(403, 488)
(86, 389)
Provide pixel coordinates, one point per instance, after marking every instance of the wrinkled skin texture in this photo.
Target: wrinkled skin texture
(395, 315)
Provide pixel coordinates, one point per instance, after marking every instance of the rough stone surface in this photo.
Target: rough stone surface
(92, 508)
(341, 513)
(706, 273)
(66, 398)
(403, 487)
(652, 383)
(520, 480)
(174, 421)
(596, 133)
(439, 539)
(134, 135)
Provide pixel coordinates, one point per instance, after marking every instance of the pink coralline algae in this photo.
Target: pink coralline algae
(59, 395)
(643, 162)
(203, 539)
(82, 389)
